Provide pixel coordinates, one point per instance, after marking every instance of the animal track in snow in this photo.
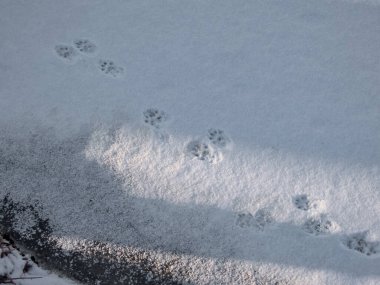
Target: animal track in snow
(209, 151)
(202, 151)
(108, 67)
(321, 225)
(263, 218)
(301, 202)
(260, 220)
(155, 117)
(245, 220)
(85, 46)
(360, 243)
(66, 52)
(218, 137)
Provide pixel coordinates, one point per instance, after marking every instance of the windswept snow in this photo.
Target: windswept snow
(208, 142)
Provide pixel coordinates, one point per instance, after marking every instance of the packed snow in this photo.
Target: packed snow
(223, 142)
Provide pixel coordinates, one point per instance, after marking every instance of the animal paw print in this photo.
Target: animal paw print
(260, 220)
(360, 243)
(218, 137)
(85, 46)
(319, 225)
(302, 202)
(154, 117)
(65, 52)
(202, 151)
(245, 220)
(263, 218)
(108, 67)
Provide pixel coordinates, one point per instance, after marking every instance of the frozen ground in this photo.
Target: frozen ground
(207, 142)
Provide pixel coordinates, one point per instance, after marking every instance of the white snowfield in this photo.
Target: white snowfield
(238, 141)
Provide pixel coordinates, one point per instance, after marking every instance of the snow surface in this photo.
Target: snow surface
(13, 265)
(234, 137)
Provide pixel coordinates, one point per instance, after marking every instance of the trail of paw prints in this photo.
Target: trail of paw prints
(359, 242)
(86, 48)
(110, 68)
(262, 219)
(322, 225)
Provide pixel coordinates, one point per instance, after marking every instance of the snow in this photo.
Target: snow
(13, 267)
(236, 139)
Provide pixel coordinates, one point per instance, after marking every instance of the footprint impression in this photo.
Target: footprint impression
(262, 219)
(211, 149)
(155, 117)
(66, 52)
(86, 47)
(109, 67)
(319, 224)
(359, 242)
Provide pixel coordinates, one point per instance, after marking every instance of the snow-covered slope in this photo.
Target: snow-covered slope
(239, 140)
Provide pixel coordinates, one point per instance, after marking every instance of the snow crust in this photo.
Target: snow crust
(241, 139)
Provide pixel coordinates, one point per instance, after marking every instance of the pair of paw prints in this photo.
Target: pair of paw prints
(210, 149)
(317, 225)
(71, 53)
(203, 150)
(323, 225)
(303, 202)
(262, 219)
(320, 225)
